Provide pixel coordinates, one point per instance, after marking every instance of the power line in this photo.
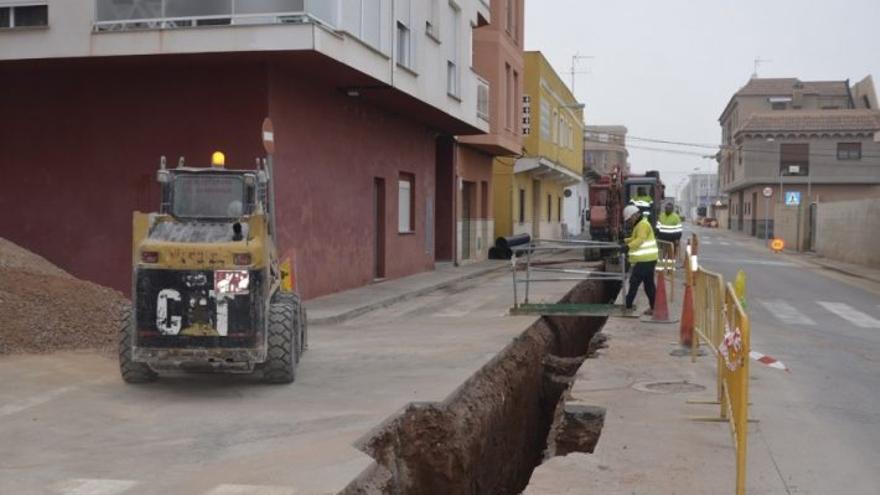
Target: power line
(715, 147)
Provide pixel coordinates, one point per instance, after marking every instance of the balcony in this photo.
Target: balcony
(482, 98)
(127, 15)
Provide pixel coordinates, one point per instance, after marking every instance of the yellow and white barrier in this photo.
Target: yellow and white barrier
(721, 322)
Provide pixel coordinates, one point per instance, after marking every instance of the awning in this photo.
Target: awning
(544, 169)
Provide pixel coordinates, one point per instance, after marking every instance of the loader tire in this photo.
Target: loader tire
(282, 353)
(132, 372)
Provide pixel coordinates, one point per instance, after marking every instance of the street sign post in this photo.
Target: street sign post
(268, 136)
(767, 192)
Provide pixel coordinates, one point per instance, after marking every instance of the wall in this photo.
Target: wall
(82, 155)
(760, 162)
(849, 231)
(330, 147)
(81, 143)
(474, 167)
(503, 195)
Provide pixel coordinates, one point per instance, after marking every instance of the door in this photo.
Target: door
(811, 227)
(536, 209)
(378, 228)
(753, 211)
(467, 211)
(740, 213)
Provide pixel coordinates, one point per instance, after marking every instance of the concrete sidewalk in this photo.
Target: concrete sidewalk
(342, 306)
(851, 269)
(649, 444)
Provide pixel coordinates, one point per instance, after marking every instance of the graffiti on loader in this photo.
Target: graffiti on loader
(720, 322)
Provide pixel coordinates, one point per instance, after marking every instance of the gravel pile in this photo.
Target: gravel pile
(44, 309)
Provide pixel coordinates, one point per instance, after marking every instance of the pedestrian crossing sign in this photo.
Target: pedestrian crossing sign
(793, 198)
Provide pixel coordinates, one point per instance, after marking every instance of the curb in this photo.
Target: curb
(388, 301)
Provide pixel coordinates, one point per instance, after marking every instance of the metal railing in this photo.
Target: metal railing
(559, 274)
(482, 98)
(111, 15)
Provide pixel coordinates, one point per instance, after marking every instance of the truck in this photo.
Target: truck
(209, 291)
(610, 194)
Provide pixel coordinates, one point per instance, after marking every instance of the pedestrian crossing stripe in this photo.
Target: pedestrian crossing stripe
(786, 312)
(851, 314)
(87, 486)
(84, 486)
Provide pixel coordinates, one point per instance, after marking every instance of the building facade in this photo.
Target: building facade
(362, 96)
(700, 191)
(804, 142)
(529, 190)
(498, 57)
(605, 149)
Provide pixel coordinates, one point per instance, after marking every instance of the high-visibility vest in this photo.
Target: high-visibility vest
(642, 245)
(642, 201)
(669, 224)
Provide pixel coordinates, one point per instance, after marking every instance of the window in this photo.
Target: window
(779, 105)
(546, 123)
(24, 16)
(794, 159)
(514, 96)
(508, 97)
(849, 151)
(522, 205)
(510, 25)
(403, 46)
(406, 198)
(549, 207)
(452, 55)
(432, 23)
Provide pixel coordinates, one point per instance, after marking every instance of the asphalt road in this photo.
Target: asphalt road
(820, 423)
(69, 426)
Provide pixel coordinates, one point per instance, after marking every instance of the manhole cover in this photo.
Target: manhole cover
(669, 387)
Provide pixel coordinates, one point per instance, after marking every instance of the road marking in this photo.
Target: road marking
(724, 243)
(92, 487)
(34, 401)
(748, 262)
(463, 308)
(786, 312)
(850, 314)
(252, 490)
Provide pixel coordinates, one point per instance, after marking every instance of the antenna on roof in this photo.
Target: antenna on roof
(758, 62)
(577, 57)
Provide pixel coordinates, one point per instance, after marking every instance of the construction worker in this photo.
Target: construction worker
(669, 228)
(643, 201)
(641, 249)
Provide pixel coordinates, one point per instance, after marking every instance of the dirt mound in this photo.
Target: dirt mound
(43, 308)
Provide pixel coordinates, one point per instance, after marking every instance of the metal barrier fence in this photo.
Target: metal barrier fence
(551, 271)
(666, 263)
(721, 322)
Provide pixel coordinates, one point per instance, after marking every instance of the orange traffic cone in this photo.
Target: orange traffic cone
(661, 308)
(686, 331)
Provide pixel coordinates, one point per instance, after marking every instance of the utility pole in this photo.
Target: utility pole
(577, 57)
(758, 62)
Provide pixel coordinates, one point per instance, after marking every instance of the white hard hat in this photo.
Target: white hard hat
(629, 211)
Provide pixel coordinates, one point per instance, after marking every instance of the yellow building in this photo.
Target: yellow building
(529, 190)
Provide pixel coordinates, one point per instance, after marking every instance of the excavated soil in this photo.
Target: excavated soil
(44, 309)
(491, 433)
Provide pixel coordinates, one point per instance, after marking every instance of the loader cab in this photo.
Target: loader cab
(647, 194)
(211, 195)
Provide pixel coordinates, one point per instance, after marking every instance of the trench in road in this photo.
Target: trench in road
(502, 422)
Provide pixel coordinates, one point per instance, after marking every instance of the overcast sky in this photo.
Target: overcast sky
(666, 69)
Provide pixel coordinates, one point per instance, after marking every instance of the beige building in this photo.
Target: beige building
(805, 142)
(604, 149)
